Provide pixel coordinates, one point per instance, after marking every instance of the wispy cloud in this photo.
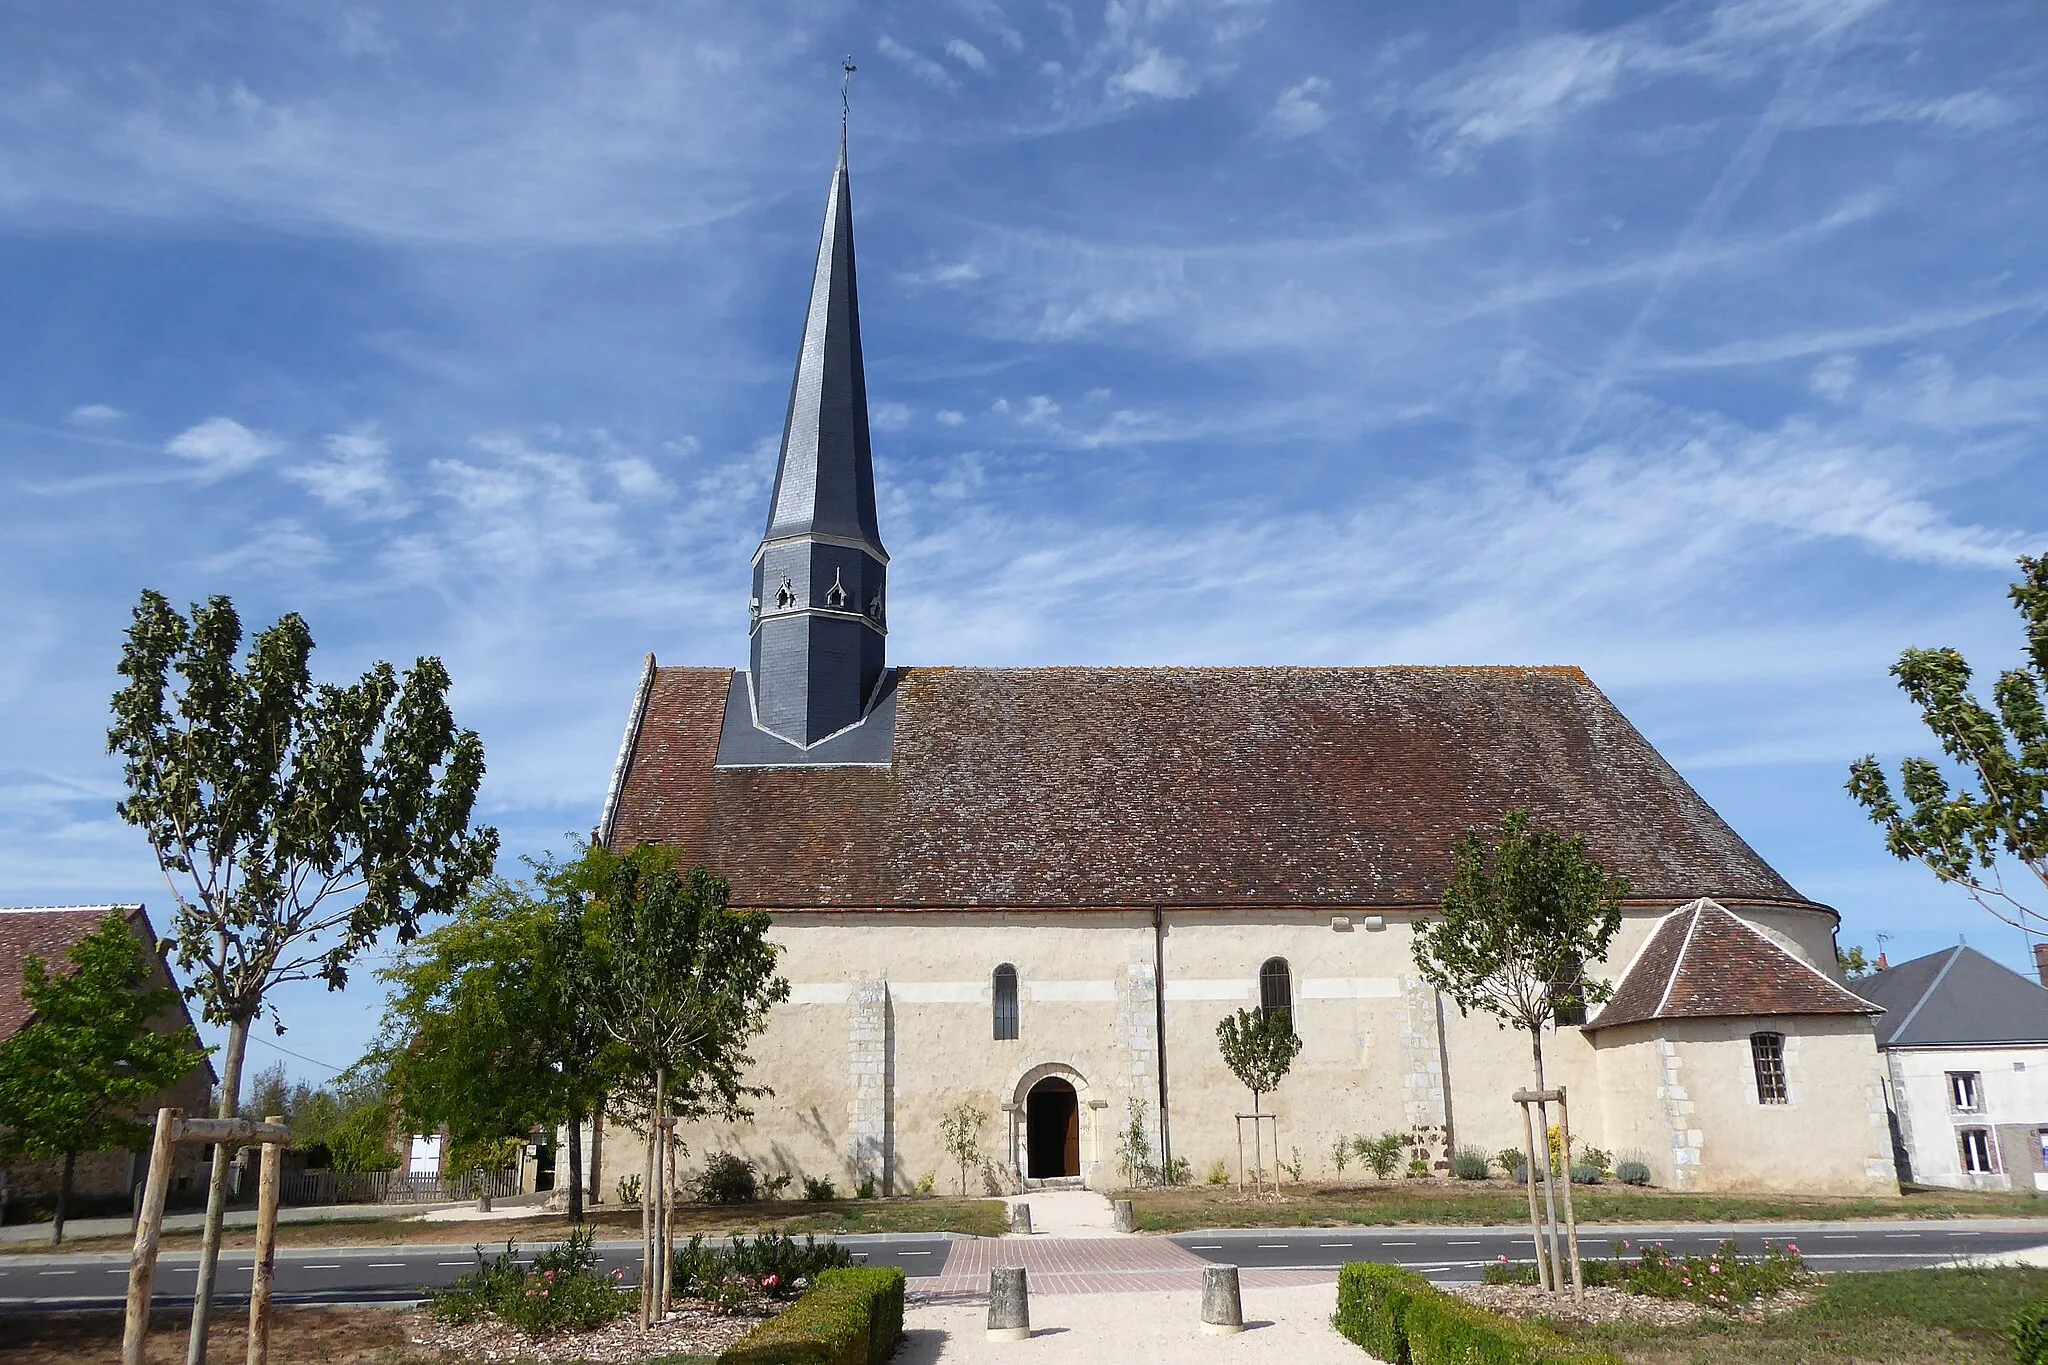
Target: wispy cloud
(917, 64)
(94, 415)
(220, 446)
(355, 477)
(967, 54)
(1300, 110)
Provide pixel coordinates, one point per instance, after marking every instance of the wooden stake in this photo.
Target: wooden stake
(266, 1250)
(148, 1226)
(1571, 1223)
(1535, 1213)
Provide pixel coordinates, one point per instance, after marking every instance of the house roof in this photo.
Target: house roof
(1054, 787)
(1702, 962)
(1956, 996)
(47, 932)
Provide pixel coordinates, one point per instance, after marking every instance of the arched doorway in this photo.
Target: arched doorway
(1052, 1130)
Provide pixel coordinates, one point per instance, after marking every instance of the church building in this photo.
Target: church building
(1037, 890)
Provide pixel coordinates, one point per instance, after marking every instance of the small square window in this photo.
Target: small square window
(1976, 1144)
(1767, 1053)
(1965, 1092)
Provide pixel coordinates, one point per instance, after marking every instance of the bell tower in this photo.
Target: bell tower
(819, 616)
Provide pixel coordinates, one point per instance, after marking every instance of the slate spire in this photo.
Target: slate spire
(818, 617)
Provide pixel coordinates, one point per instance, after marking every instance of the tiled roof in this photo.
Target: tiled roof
(1956, 996)
(1183, 786)
(48, 932)
(1701, 962)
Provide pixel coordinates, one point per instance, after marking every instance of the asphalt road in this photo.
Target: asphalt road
(397, 1274)
(1453, 1254)
(341, 1274)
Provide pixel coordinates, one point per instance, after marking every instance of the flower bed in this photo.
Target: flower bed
(1723, 1280)
(562, 1291)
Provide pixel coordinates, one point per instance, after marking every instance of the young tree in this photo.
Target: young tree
(960, 1130)
(684, 985)
(1521, 919)
(487, 1030)
(1961, 833)
(72, 1078)
(1259, 1047)
(294, 823)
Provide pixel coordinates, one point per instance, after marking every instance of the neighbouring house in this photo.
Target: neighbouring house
(48, 933)
(1036, 891)
(1965, 1046)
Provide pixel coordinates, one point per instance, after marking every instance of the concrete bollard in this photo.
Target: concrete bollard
(1009, 1304)
(1020, 1218)
(483, 1203)
(1222, 1309)
(1123, 1218)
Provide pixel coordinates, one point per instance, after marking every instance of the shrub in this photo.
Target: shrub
(769, 1266)
(629, 1189)
(818, 1189)
(867, 1187)
(1340, 1154)
(1219, 1174)
(1418, 1165)
(927, 1182)
(1597, 1158)
(1632, 1173)
(773, 1186)
(1512, 1159)
(1177, 1171)
(1442, 1330)
(2030, 1335)
(1371, 1299)
(1585, 1173)
(1723, 1280)
(850, 1317)
(726, 1179)
(1292, 1168)
(561, 1291)
(1382, 1153)
(1470, 1163)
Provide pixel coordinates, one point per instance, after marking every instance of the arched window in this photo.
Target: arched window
(1276, 990)
(1006, 1002)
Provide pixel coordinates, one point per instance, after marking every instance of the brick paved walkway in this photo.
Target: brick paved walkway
(1124, 1265)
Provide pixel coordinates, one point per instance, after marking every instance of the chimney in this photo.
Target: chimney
(2041, 962)
(1883, 965)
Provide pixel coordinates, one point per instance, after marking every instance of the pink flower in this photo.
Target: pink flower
(770, 1281)
(1684, 1281)
(618, 1274)
(1713, 1269)
(1791, 1248)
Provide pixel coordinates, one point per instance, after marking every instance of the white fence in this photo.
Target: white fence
(394, 1187)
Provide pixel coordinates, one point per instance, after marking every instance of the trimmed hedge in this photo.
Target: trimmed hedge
(1405, 1320)
(1443, 1329)
(1370, 1301)
(850, 1317)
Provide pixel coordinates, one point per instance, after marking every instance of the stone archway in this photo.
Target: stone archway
(1052, 1130)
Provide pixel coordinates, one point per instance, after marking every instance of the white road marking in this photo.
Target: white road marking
(1336, 1245)
(451, 1263)
(319, 1267)
(1473, 1243)
(1966, 1234)
(1397, 1244)
(916, 1253)
(1206, 1248)
(385, 1265)
(1838, 1237)
(1272, 1246)
(56, 1272)
(1902, 1234)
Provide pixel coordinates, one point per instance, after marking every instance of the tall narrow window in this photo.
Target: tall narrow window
(1276, 990)
(1767, 1051)
(1568, 997)
(1976, 1144)
(1006, 1002)
(1965, 1092)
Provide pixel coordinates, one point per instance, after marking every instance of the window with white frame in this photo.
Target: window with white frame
(1767, 1054)
(1965, 1092)
(1976, 1145)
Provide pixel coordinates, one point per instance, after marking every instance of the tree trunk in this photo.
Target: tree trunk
(1549, 1180)
(216, 1193)
(656, 1278)
(668, 1215)
(597, 1150)
(1258, 1151)
(647, 1225)
(63, 1197)
(575, 1166)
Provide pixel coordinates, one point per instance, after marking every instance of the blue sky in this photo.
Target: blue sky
(1701, 345)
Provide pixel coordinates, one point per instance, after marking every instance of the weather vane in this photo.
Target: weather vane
(845, 80)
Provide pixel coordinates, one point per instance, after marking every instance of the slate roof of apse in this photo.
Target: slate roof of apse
(1701, 962)
(1956, 996)
(1182, 786)
(47, 932)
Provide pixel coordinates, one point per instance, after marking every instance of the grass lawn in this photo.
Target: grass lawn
(1897, 1317)
(982, 1217)
(333, 1336)
(1498, 1202)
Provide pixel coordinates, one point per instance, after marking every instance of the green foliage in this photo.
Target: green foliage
(486, 1031)
(72, 1079)
(1511, 1160)
(929, 1181)
(1219, 1174)
(1382, 1154)
(1521, 918)
(960, 1132)
(305, 819)
(629, 1189)
(1632, 1173)
(726, 1179)
(1177, 1171)
(1418, 1164)
(1470, 1163)
(850, 1317)
(1134, 1146)
(1854, 963)
(1724, 1280)
(867, 1188)
(1598, 1158)
(770, 1266)
(1371, 1298)
(479, 1156)
(1443, 1330)
(2030, 1334)
(1259, 1049)
(818, 1189)
(1958, 832)
(1340, 1153)
(562, 1291)
(1585, 1173)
